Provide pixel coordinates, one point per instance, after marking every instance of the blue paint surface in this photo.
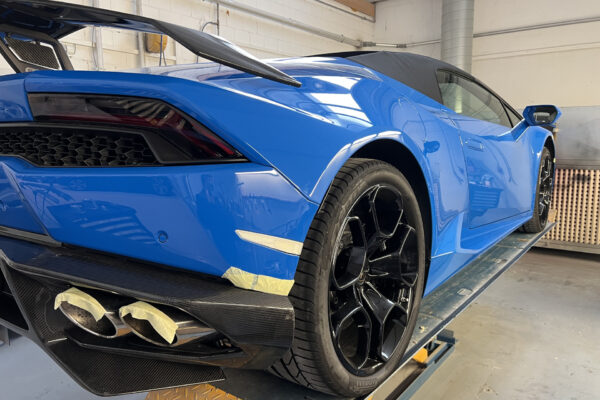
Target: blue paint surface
(481, 176)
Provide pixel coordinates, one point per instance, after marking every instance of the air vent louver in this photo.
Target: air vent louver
(577, 200)
(33, 52)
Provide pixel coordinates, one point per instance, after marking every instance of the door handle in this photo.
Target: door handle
(474, 144)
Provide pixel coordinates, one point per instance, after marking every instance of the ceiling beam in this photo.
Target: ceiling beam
(362, 6)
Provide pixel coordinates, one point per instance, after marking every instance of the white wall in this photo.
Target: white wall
(260, 37)
(559, 65)
(410, 21)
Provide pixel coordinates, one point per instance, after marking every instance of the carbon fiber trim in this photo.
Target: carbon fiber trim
(258, 327)
(107, 374)
(33, 53)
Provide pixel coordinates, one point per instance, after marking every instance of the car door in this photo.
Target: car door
(495, 154)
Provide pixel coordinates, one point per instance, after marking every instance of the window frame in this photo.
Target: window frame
(472, 79)
(513, 111)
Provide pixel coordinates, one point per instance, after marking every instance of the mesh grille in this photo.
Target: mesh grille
(33, 53)
(577, 199)
(64, 147)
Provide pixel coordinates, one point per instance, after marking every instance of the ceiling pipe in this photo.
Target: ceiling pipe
(97, 42)
(289, 22)
(216, 23)
(457, 33)
(391, 45)
(140, 37)
(539, 26)
(361, 44)
(491, 33)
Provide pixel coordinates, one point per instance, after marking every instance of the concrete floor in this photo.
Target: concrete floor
(531, 335)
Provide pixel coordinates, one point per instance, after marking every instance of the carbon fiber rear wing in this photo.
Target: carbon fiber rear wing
(37, 25)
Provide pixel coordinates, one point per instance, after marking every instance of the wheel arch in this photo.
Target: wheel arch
(549, 143)
(399, 156)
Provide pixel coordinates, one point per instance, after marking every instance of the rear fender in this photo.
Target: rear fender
(13, 102)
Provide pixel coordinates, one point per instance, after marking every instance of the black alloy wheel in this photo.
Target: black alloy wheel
(372, 280)
(543, 194)
(546, 187)
(359, 282)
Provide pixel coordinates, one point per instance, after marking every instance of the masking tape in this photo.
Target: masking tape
(260, 283)
(160, 321)
(77, 298)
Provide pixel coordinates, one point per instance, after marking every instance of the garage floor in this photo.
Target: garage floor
(531, 335)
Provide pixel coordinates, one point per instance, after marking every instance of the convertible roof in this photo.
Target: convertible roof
(56, 19)
(414, 70)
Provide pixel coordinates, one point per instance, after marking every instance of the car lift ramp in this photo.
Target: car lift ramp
(430, 345)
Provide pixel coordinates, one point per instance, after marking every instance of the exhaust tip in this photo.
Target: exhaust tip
(149, 323)
(87, 313)
(156, 327)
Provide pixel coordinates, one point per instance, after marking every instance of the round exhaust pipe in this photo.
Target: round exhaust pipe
(162, 329)
(88, 314)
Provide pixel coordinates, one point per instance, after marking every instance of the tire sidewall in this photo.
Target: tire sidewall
(535, 224)
(379, 173)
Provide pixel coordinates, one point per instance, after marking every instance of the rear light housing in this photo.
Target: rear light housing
(173, 136)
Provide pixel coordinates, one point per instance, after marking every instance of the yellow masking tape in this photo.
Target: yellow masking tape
(260, 283)
(160, 321)
(77, 298)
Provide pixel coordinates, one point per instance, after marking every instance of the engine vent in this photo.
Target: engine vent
(69, 147)
(34, 53)
(577, 200)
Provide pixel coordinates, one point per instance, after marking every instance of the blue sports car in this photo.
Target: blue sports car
(159, 225)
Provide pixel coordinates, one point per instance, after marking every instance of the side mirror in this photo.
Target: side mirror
(545, 115)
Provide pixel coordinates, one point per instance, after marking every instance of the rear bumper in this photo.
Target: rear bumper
(183, 216)
(259, 326)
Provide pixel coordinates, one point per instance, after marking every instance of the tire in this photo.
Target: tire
(543, 194)
(337, 361)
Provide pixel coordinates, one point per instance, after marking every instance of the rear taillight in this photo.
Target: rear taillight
(141, 114)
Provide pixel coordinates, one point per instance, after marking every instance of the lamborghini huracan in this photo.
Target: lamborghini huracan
(161, 224)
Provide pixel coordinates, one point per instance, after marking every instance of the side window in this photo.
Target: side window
(514, 117)
(468, 98)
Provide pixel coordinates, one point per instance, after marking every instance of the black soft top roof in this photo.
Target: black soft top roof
(414, 70)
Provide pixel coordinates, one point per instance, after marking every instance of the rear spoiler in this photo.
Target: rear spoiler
(47, 21)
